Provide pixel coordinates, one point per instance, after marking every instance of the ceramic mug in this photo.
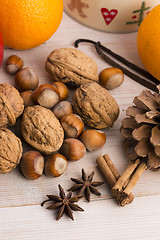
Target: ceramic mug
(110, 15)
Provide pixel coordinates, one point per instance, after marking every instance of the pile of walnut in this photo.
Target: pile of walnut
(49, 123)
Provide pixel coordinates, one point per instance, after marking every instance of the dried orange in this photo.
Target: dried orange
(26, 24)
(148, 42)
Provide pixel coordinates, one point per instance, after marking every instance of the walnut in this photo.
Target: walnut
(11, 105)
(10, 150)
(41, 129)
(95, 105)
(71, 66)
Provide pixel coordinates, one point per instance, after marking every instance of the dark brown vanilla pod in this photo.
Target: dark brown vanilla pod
(150, 82)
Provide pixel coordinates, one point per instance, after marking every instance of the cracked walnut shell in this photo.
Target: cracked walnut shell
(97, 108)
(71, 66)
(10, 150)
(11, 105)
(41, 129)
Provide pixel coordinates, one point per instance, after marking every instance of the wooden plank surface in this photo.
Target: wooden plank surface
(20, 213)
(100, 220)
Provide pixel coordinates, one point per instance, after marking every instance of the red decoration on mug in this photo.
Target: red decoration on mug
(108, 15)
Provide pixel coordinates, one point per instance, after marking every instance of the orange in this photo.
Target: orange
(148, 42)
(26, 24)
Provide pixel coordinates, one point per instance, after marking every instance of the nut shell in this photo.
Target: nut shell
(93, 139)
(62, 89)
(13, 64)
(71, 66)
(111, 78)
(41, 129)
(27, 98)
(97, 108)
(72, 125)
(46, 95)
(26, 79)
(10, 150)
(32, 165)
(73, 149)
(62, 108)
(55, 165)
(11, 105)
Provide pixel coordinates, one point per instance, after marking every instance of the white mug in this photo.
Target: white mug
(110, 15)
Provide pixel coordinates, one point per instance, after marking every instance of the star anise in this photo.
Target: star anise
(64, 203)
(86, 185)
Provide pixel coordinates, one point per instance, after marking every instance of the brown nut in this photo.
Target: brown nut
(62, 108)
(11, 105)
(62, 89)
(10, 150)
(93, 139)
(73, 149)
(72, 125)
(111, 78)
(26, 79)
(95, 105)
(27, 98)
(32, 165)
(14, 64)
(46, 95)
(41, 129)
(71, 66)
(55, 165)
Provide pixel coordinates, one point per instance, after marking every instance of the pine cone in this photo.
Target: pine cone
(141, 129)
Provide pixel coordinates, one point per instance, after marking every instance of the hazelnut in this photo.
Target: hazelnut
(111, 78)
(93, 139)
(73, 149)
(14, 64)
(32, 165)
(55, 165)
(62, 108)
(46, 95)
(27, 98)
(72, 125)
(62, 89)
(26, 79)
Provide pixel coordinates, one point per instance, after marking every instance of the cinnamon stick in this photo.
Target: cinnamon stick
(141, 168)
(123, 187)
(106, 171)
(111, 175)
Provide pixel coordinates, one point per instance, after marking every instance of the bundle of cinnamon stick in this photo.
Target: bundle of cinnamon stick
(121, 186)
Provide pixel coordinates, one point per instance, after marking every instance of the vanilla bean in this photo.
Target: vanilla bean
(150, 83)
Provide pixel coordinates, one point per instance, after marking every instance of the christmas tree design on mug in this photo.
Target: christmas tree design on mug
(140, 16)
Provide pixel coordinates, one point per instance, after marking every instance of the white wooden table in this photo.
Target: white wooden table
(22, 217)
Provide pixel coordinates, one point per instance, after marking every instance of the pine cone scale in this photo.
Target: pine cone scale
(141, 129)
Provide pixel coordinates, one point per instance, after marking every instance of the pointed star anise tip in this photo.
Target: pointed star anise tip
(86, 185)
(65, 203)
